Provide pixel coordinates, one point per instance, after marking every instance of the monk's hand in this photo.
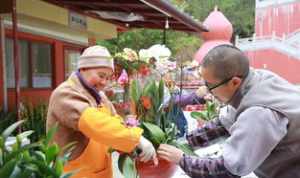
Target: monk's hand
(170, 153)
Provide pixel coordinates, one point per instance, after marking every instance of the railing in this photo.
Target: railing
(266, 3)
(289, 45)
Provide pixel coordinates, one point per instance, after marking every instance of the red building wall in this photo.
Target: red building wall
(286, 67)
(34, 95)
(279, 19)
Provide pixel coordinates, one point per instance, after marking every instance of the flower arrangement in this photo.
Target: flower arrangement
(131, 62)
(157, 122)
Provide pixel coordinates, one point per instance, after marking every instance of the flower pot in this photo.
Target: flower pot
(164, 169)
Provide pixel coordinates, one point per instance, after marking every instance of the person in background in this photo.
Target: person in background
(196, 97)
(85, 116)
(262, 122)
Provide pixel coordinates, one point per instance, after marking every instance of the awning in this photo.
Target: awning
(156, 14)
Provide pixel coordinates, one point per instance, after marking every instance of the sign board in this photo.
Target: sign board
(6, 6)
(77, 21)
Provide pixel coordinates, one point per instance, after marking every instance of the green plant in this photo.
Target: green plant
(34, 116)
(208, 114)
(6, 119)
(37, 160)
(158, 124)
(35, 119)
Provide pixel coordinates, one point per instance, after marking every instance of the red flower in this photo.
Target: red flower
(109, 93)
(144, 70)
(146, 102)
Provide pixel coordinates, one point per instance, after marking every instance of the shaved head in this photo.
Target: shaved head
(226, 61)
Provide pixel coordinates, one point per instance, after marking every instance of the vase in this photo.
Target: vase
(164, 169)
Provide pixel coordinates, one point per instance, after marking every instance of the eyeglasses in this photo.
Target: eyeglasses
(212, 87)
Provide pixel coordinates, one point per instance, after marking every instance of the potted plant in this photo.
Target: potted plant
(128, 64)
(159, 127)
(37, 159)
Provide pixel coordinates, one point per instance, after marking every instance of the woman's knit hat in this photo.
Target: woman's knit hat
(95, 56)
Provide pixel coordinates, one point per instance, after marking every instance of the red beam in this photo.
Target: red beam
(173, 12)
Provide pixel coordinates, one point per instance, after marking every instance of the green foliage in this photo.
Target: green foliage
(135, 91)
(137, 39)
(35, 119)
(38, 159)
(127, 166)
(158, 124)
(241, 13)
(148, 101)
(208, 114)
(154, 133)
(6, 119)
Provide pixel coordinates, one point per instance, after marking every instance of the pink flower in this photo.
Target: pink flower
(123, 79)
(131, 121)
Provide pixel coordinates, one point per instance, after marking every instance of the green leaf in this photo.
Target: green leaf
(44, 169)
(20, 173)
(200, 115)
(7, 132)
(8, 168)
(2, 143)
(59, 167)
(161, 88)
(121, 161)
(16, 153)
(67, 175)
(149, 89)
(127, 167)
(186, 148)
(25, 134)
(26, 156)
(50, 134)
(52, 152)
(154, 133)
(135, 91)
(17, 172)
(39, 156)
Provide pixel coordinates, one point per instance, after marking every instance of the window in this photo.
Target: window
(41, 65)
(71, 58)
(35, 64)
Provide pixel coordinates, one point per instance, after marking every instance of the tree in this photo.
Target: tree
(144, 38)
(239, 12)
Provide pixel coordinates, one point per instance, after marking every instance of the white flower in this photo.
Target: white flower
(130, 54)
